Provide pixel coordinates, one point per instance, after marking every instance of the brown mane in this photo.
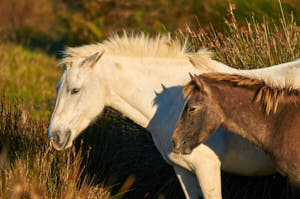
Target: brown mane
(268, 95)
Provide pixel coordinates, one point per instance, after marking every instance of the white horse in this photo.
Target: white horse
(142, 78)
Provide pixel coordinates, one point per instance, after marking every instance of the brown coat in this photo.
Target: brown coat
(268, 117)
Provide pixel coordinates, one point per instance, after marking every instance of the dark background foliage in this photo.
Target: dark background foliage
(50, 24)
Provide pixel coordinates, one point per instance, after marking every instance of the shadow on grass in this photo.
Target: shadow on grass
(116, 148)
(120, 153)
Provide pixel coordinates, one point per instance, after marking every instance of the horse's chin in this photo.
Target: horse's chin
(68, 145)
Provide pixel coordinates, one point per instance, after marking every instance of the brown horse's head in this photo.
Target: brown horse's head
(201, 116)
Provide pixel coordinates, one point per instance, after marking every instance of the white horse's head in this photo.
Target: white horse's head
(80, 98)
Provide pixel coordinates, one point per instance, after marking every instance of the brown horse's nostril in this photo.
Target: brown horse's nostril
(175, 146)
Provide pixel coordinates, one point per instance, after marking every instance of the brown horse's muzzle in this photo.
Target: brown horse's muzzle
(181, 147)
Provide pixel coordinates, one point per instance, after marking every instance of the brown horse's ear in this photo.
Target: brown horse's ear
(198, 82)
(195, 83)
(188, 89)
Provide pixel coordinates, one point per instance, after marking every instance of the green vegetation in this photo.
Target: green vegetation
(115, 158)
(30, 77)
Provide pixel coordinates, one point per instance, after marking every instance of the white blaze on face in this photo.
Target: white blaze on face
(80, 99)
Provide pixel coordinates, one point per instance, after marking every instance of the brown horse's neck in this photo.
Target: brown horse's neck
(244, 116)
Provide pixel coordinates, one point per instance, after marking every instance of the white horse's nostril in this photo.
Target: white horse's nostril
(55, 138)
(60, 139)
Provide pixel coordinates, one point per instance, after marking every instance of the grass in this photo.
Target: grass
(30, 77)
(254, 45)
(114, 158)
(29, 169)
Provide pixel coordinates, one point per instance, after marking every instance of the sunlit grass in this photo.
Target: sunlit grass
(254, 45)
(30, 169)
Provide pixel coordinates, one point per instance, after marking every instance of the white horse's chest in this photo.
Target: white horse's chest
(241, 157)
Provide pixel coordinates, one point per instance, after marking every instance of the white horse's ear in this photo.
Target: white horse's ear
(93, 59)
(65, 65)
(97, 57)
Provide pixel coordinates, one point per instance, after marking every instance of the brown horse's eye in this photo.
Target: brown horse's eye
(191, 109)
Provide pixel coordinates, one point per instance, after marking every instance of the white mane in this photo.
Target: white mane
(162, 46)
(140, 45)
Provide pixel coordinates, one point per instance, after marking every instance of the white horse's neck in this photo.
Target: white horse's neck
(134, 83)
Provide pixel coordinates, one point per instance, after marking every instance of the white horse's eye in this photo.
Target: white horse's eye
(75, 91)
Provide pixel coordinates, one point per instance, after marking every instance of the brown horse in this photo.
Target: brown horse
(268, 117)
